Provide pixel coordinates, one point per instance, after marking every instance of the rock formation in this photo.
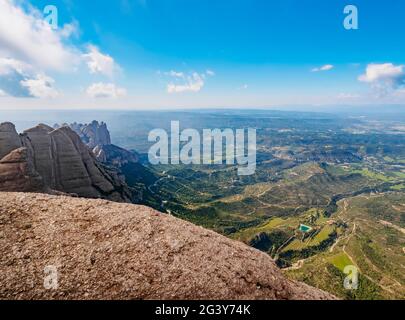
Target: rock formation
(17, 173)
(97, 137)
(43, 158)
(9, 139)
(95, 249)
(92, 134)
(115, 155)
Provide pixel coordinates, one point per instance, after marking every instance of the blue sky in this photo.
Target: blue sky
(203, 53)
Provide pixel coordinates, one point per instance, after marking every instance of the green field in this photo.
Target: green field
(340, 261)
(376, 248)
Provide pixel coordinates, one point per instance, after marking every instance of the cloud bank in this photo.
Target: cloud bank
(99, 63)
(22, 80)
(30, 49)
(193, 82)
(105, 90)
(26, 36)
(384, 78)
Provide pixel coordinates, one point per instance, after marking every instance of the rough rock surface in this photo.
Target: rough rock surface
(61, 160)
(93, 134)
(9, 139)
(17, 173)
(114, 155)
(105, 250)
(97, 137)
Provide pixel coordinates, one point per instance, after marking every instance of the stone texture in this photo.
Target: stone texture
(39, 143)
(92, 134)
(114, 155)
(105, 250)
(9, 139)
(63, 163)
(17, 173)
(97, 137)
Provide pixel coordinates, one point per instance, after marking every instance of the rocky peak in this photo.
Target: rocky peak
(92, 134)
(60, 159)
(97, 137)
(40, 128)
(9, 139)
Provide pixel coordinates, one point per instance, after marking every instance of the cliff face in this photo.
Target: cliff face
(103, 250)
(92, 134)
(115, 155)
(97, 137)
(9, 139)
(17, 173)
(51, 159)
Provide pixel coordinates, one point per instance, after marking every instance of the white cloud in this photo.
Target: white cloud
(98, 62)
(326, 67)
(9, 65)
(2, 93)
(40, 87)
(384, 78)
(192, 82)
(105, 90)
(24, 35)
(30, 48)
(22, 80)
(382, 72)
(70, 30)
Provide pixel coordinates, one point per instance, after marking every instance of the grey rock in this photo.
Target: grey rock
(92, 134)
(9, 139)
(97, 137)
(62, 161)
(115, 155)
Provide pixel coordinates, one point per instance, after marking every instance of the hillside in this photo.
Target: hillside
(373, 241)
(107, 250)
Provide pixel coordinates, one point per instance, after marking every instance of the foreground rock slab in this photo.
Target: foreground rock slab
(106, 250)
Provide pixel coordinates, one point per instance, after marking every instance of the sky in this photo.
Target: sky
(158, 54)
